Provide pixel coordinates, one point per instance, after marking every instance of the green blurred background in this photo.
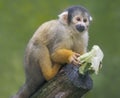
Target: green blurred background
(20, 18)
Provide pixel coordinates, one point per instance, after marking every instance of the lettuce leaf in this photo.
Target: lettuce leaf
(91, 61)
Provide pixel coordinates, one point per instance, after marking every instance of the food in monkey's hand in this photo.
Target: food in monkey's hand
(91, 61)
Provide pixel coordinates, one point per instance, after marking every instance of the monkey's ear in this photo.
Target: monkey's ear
(90, 18)
(63, 17)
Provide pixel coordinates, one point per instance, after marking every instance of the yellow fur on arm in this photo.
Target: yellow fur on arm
(62, 56)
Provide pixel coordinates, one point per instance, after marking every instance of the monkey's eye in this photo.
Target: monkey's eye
(78, 19)
(85, 20)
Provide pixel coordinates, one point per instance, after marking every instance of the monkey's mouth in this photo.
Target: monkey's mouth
(80, 28)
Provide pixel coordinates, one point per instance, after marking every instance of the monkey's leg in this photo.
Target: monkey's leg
(34, 76)
(48, 70)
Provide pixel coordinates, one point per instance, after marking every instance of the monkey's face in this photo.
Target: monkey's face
(76, 17)
(80, 22)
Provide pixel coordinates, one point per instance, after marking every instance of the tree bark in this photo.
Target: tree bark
(67, 84)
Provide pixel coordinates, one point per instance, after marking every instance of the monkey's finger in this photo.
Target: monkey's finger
(75, 57)
(75, 62)
(77, 54)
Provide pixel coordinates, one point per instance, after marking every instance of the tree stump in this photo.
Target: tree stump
(67, 84)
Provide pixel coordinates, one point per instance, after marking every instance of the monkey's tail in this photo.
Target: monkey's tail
(34, 81)
(28, 89)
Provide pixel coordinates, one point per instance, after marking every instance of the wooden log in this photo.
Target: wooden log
(67, 84)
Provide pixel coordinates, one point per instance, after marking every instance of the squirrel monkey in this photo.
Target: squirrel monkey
(55, 43)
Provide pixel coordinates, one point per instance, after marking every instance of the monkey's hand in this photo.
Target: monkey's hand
(63, 56)
(73, 59)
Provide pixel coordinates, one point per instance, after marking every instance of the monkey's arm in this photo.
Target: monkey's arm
(65, 56)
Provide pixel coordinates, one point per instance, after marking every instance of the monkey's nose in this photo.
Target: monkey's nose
(80, 28)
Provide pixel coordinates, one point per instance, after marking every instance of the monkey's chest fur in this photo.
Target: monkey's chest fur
(60, 36)
(68, 39)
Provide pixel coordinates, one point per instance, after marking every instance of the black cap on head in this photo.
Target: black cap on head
(72, 9)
